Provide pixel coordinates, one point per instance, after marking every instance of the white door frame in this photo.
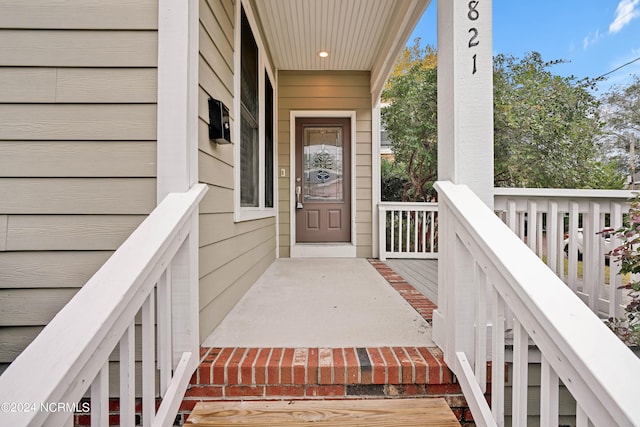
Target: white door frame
(328, 250)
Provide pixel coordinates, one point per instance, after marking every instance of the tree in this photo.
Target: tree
(546, 127)
(621, 110)
(410, 120)
(414, 55)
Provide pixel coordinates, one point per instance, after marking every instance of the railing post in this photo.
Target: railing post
(382, 233)
(446, 276)
(184, 280)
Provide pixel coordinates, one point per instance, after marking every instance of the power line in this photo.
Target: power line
(616, 69)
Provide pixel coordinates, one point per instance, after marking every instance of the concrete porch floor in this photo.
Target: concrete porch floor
(321, 303)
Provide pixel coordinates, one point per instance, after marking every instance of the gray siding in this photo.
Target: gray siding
(325, 90)
(78, 84)
(232, 254)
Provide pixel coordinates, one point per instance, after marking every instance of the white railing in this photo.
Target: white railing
(562, 226)
(488, 276)
(408, 230)
(153, 278)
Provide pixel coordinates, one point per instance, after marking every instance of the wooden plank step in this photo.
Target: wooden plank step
(378, 412)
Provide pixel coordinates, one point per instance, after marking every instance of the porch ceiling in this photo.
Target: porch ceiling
(358, 34)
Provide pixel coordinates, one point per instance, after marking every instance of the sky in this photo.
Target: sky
(595, 36)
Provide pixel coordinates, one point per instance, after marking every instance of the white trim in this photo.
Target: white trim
(241, 213)
(177, 105)
(375, 178)
(293, 115)
(323, 250)
(276, 164)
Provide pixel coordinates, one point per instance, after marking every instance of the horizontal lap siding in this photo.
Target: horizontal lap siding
(232, 255)
(78, 91)
(300, 90)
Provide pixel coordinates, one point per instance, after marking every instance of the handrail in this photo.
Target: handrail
(72, 353)
(484, 264)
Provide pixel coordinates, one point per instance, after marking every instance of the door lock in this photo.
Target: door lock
(298, 191)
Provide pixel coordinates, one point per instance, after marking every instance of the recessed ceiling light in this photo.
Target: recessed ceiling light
(323, 54)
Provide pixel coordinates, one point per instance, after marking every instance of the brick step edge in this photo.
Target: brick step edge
(327, 366)
(420, 303)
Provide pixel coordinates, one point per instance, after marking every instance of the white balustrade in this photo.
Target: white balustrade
(565, 224)
(408, 230)
(494, 292)
(151, 279)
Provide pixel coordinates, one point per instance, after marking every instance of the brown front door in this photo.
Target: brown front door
(323, 180)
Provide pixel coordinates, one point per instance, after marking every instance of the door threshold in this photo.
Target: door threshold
(323, 250)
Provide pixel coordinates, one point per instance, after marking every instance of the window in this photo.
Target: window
(268, 142)
(249, 118)
(255, 152)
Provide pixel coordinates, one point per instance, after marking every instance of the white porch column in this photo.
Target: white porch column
(177, 96)
(465, 95)
(177, 156)
(465, 142)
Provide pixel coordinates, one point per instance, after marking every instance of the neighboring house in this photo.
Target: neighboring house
(386, 151)
(104, 111)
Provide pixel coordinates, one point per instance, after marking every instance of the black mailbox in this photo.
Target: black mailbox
(219, 127)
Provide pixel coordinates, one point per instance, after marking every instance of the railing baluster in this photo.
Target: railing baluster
(520, 374)
(532, 225)
(100, 398)
(416, 222)
(165, 364)
(552, 237)
(591, 256)
(392, 243)
(407, 247)
(512, 215)
(481, 328)
(424, 231)
(573, 246)
(497, 362)
(400, 233)
(615, 281)
(432, 232)
(540, 234)
(560, 245)
(127, 378)
(549, 395)
(148, 360)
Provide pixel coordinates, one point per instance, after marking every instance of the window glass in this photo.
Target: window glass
(249, 139)
(268, 142)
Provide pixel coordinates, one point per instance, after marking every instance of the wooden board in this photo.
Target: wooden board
(399, 412)
(75, 196)
(77, 159)
(70, 48)
(79, 14)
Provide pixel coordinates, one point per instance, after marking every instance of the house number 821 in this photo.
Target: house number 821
(473, 15)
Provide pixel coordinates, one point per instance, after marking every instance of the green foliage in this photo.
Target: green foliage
(411, 124)
(393, 176)
(627, 255)
(545, 126)
(621, 110)
(606, 176)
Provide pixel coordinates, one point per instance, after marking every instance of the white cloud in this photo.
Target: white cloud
(625, 12)
(589, 39)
